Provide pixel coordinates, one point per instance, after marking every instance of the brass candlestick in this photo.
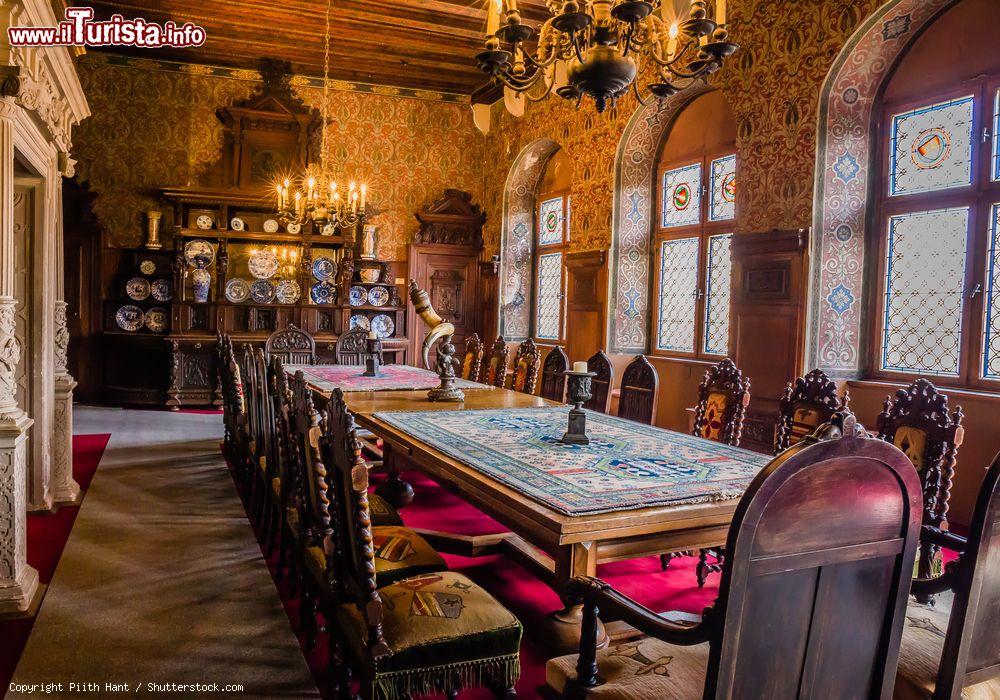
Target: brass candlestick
(153, 236)
(578, 391)
(373, 361)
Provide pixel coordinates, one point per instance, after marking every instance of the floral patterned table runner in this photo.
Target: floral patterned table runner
(326, 378)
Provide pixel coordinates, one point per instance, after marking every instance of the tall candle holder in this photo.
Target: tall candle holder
(373, 363)
(578, 392)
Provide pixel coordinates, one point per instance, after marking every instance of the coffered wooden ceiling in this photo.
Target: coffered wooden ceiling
(427, 44)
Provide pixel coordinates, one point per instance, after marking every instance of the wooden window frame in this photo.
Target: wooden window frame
(979, 197)
(703, 231)
(538, 250)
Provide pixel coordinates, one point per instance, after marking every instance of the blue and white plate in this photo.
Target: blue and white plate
(324, 269)
(378, 296)
(262, 292)
(359, 321)
(323, 293)
(130, 318)
(156, 319)
(263, 263)
(237, 290)
(383, 325)
(138, 288)
(287, 291)
(162, 290)
(358, 296)
(199, 253)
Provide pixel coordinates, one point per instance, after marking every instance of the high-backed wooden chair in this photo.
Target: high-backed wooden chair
(524, 376)
(406, 636)
(257, 491)
(958, 655)
(352, 347)
(234, 417)
(917, 421)
(807, 404)
(812, 600)
(472, 360)
(285, 486)
(266, 506)
(496, 363)
(293, 345)
(637, 400)
(553, 377)
(600, 386)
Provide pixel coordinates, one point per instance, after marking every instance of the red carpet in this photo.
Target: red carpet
(47, 535)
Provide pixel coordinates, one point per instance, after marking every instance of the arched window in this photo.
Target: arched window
(936, 231)
(552, 221)
(695, 212)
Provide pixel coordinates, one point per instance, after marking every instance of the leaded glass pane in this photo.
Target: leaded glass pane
(678, 292)
(569, 215)
(549, 296)
(932, 148)
(723, 203)
(550, 215)
(991, 349)
(924, 291)
(717, 296)
(682, 196)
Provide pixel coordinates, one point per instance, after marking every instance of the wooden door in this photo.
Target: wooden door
(82, 266)
(450, 274)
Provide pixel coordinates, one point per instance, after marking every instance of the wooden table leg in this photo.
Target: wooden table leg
(396, 491)
(563, 627)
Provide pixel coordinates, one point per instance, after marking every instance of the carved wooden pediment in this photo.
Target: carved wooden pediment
(451, 219)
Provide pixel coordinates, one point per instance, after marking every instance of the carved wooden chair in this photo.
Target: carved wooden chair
(406, 633)
(256, 489)
(600, 385)
(234, 416)
(807, 404)
(496, 363)
(472, 360)
(352, 347)
(553, 377)
(958, 656)
(524, 376)
(285, 488)
(638, 394)
(917, 421)
(812, 599)
(266, 507)
(293, 345)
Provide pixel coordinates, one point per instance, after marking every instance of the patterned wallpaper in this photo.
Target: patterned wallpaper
(152, 128)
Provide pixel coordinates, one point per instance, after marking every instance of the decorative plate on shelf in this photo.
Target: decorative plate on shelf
(271, 226)
(138, 288)
(328, 230)
(129, 318)
(357, 296)
(324, 269)
(147, 267)
(263, 263)
(359, 321)
(156, 319)
(383, 325)
(262, 292)
(237, 224)
(204, 222)
(378, 296)
(237, 290)
(293, 228)
(199, 253)
(323, 293)
(287, 291)
(162, 290)
(369, 275)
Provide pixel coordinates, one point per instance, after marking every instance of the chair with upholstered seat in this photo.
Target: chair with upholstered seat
(955, 656)
(600, 386)
(472, 360)
(352, 347)
(553, 375)
(812, 599)
(524, 376)
(806, 404)
(420, 634)
(637, 400)
(917, 421)
(496, 364)
(293, 345)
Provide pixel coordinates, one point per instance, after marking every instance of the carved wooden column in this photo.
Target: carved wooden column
(18, 581)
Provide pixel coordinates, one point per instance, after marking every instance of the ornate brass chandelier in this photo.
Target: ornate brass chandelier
(314, 195)
(596, 48)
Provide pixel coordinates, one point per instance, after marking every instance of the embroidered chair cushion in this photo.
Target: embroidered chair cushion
(920, 654)
(440, 625)
(715, 411)
(913, 442)
(467, 365)
(399, 553)
(647, 668)
(520, 375)
(492, 372)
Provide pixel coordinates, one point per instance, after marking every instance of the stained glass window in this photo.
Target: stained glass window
(682, 196)
(991, 343)
(549, 296)
(550, 220)
(723, 203)
(932, 148)
(678, 294)
(717, 296)
(924, 291)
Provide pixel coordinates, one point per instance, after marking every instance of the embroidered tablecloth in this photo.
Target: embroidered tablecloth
(627, 465)
(326, 378)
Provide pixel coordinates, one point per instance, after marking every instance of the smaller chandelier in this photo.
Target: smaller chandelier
(597, 48)
(318, 199)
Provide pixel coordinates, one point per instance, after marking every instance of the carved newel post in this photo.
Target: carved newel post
(64, 487)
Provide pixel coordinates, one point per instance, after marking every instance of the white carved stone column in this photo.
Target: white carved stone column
(64, 487)
(18, 581)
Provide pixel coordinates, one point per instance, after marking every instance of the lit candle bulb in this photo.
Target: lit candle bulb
(278, 188)
(298, 201)
(364, 191)
(354, 202)
(672, 33)
(312, 187)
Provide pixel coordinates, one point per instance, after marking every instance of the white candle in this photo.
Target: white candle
(580, 367)
(672, 43)
(364, 192)
(493, 17)
(720, 12)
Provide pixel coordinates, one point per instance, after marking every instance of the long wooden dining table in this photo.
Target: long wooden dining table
(553, 544)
